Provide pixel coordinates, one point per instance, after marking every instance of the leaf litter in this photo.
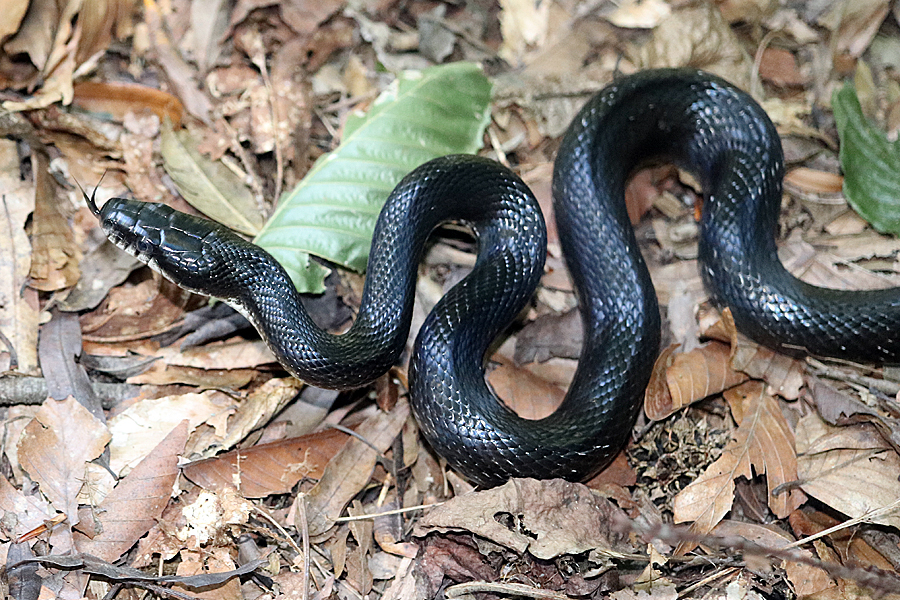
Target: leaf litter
(192, 476)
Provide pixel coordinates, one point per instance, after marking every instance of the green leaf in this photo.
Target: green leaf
(870, 162)
(332, 212)
(209, 186)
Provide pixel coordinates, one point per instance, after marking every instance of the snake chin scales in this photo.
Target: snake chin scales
(696, 120)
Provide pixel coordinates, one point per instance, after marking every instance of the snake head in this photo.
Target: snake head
(156, 235)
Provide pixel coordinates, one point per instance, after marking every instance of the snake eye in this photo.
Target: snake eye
(144, 247)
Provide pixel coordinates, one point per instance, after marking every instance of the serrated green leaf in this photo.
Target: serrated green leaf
(871, 164)
(332, 212)
(209, 186)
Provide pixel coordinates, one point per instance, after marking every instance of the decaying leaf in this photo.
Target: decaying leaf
(55, 255)
(698, 36)
(560, 518)
(135, 504)
(783, 373)
(527, 394)
(806, 579)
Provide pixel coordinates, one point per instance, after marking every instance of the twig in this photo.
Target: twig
(395, 511)
(509, 589)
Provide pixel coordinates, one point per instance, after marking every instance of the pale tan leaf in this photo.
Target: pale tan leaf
(762, 440)
(814, 181)
(657, 397)
(208, 185)
(708, 499)
(770, 442)
(851, 469)
(351, 468)
(30, 511)
(54, 448)
(19, 305)
(142, 426)
(698, 36)
(137, 501)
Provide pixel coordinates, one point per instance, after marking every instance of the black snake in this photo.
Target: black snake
(684, 116)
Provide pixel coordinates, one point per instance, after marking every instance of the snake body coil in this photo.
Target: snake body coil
(688, 117)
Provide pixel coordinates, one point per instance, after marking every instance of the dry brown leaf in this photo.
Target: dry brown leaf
(771, 442)
(805, 579)
(783, 373)
(657, 398)
(19, 305)
(134, 312)
(640, 14)
(763, 440)
(138, 429)
(30, 511)
(851, 469)
(137, 501)
(814, 181)
(351, 468)
(210, 560)
(180, 75)
(854, 24)
(263, 403)
(560, 517)
(55, 255)
(388, 530)
(779, 66)
(693, 376)
(54, 448)
(524, 392)
(358, 572)
(266, 469)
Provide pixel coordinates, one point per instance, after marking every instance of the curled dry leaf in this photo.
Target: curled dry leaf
(137, 501)
(851, 469)
(698, 36)
(266, 469)
(814, 181)
(561, 518)
(119, 99)
(689, 377)
(762, 440)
